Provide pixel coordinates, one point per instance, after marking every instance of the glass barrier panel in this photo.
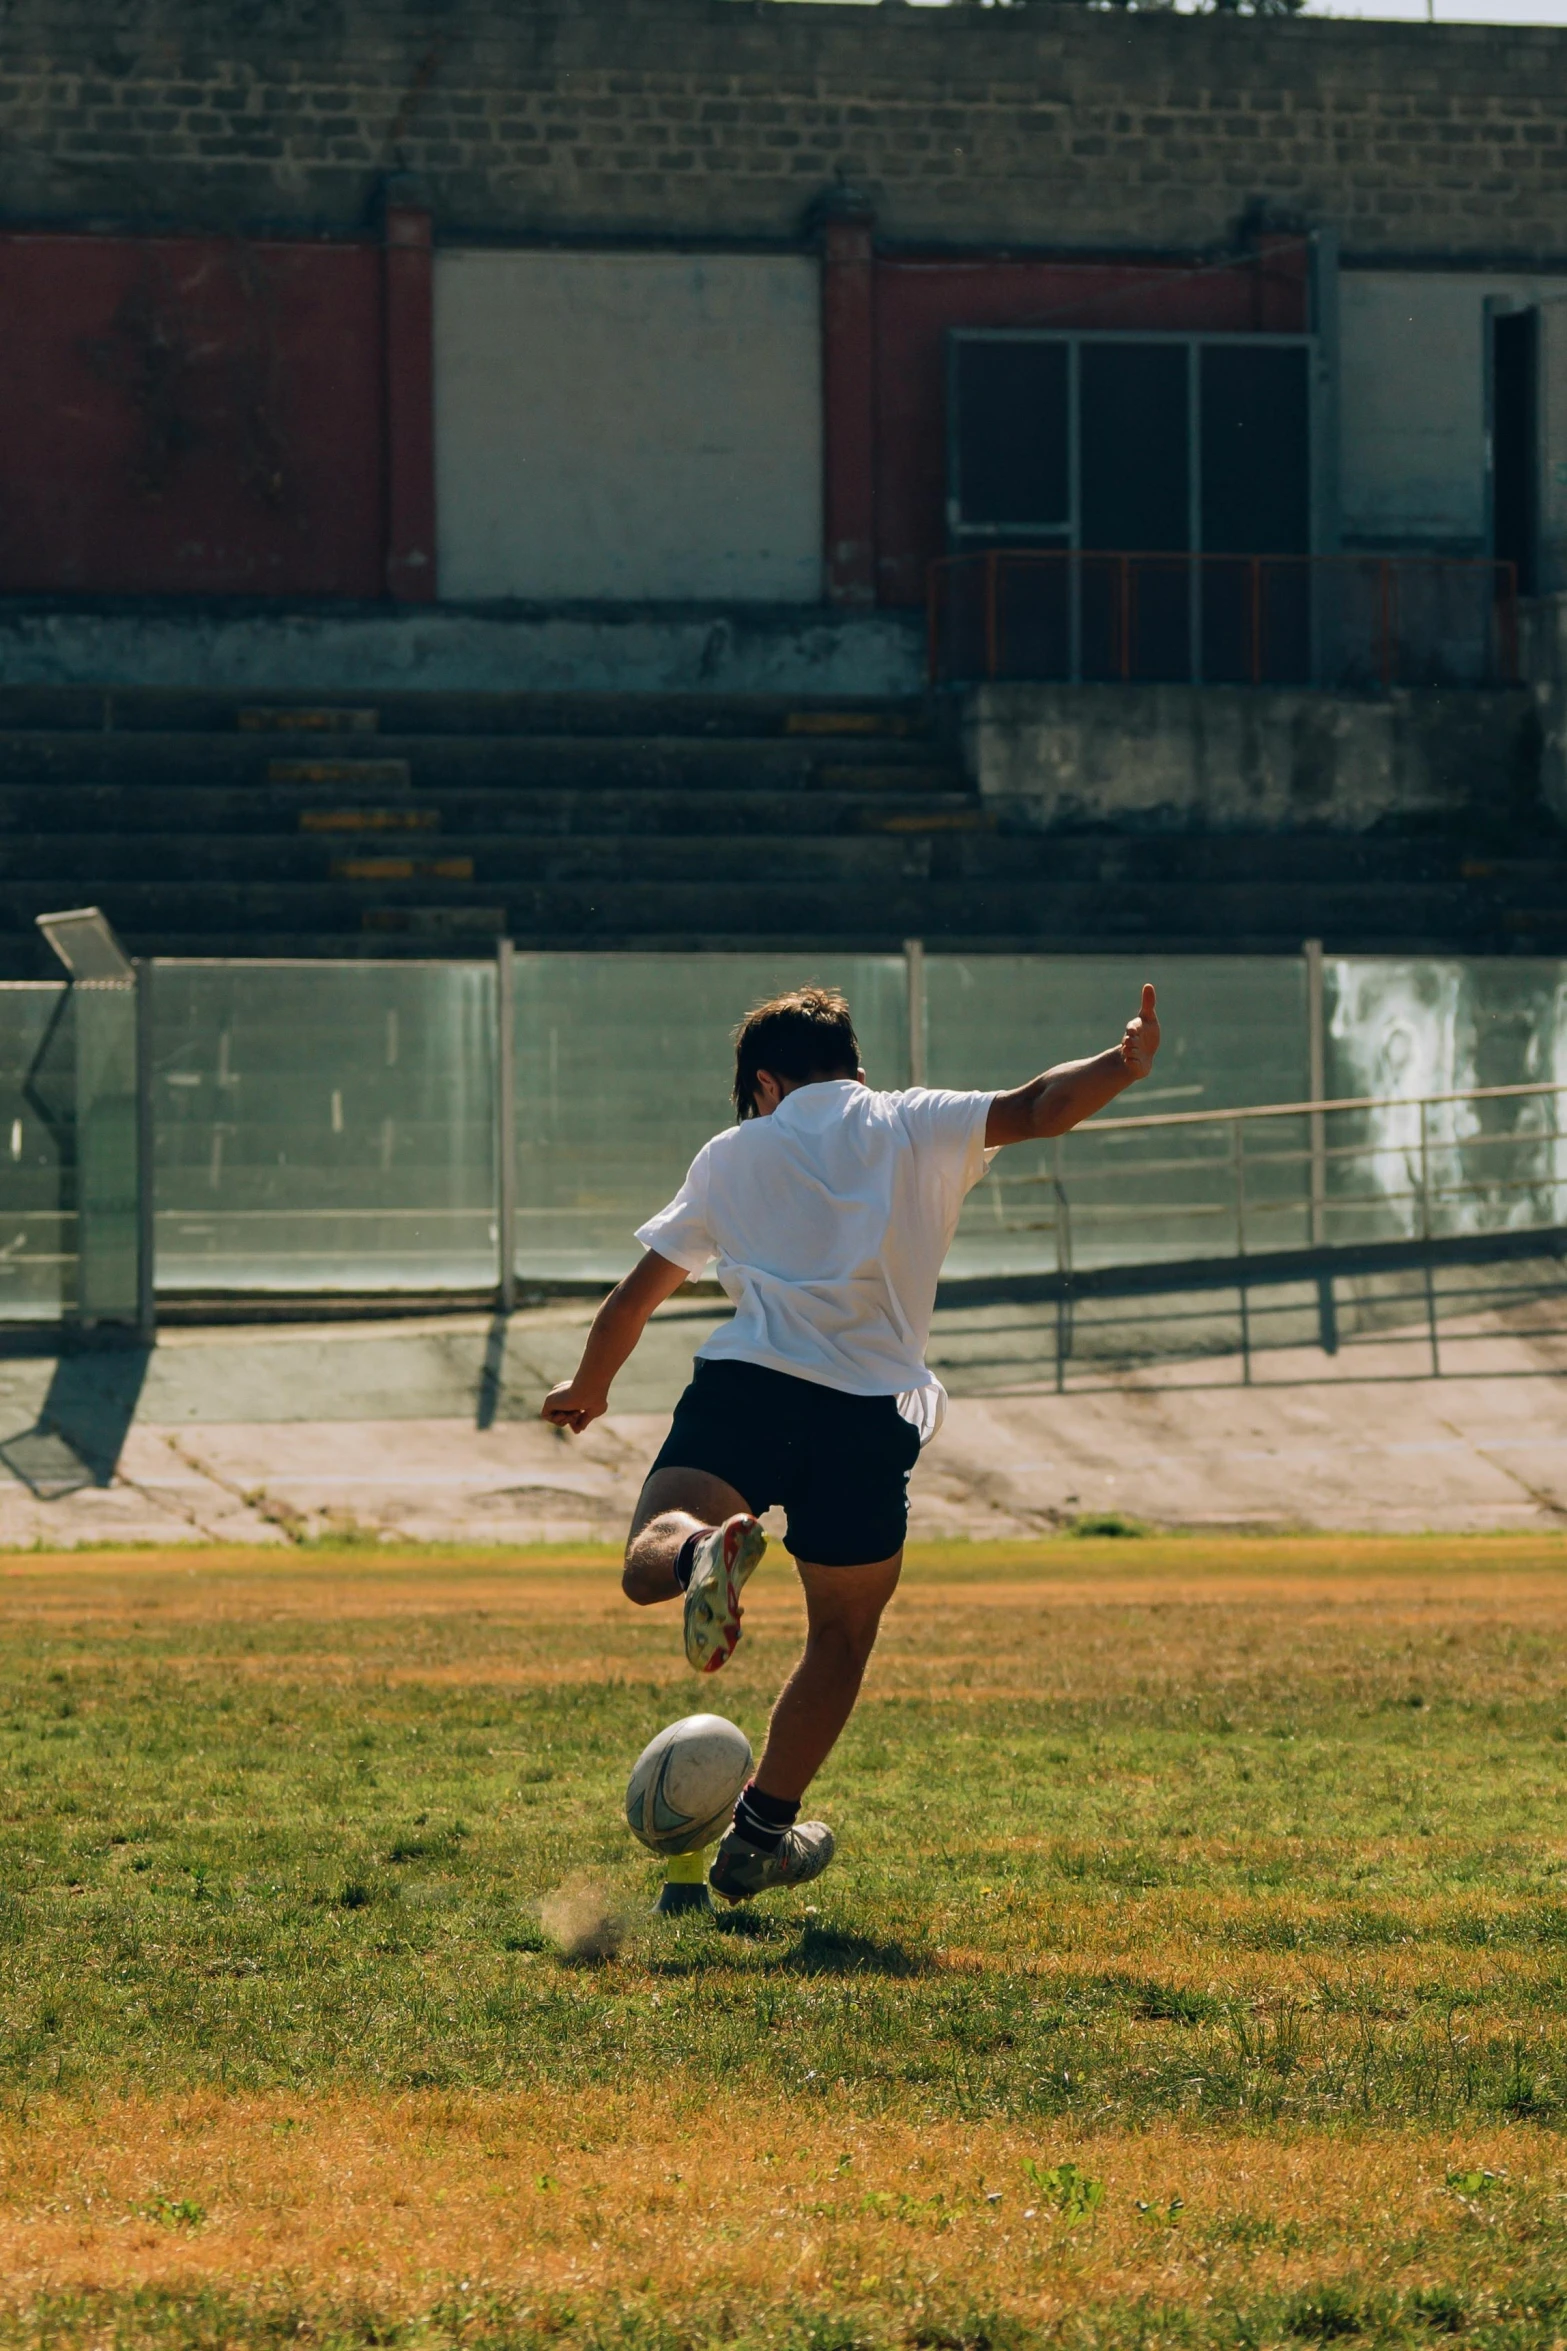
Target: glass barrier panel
(624, 1064)
(106, 1160)
(1233, 1035)
(324, 1126)
(1406, 1028)
(37, 1151)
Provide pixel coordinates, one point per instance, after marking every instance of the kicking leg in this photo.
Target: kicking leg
(694, 1537)
(766, 1847)
(673, 1504)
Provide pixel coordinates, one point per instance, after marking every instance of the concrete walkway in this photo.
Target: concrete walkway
(426, 1429)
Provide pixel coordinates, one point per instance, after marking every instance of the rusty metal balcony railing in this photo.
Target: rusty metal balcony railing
(1356, 622)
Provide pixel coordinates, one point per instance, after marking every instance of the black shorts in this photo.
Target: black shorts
(839, 1464)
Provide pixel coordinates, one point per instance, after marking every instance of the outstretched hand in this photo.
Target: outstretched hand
(1141, 1041)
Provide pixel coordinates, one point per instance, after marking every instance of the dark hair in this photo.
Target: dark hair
(807, 1034)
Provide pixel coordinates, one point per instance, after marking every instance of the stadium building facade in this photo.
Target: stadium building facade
(1185, 398)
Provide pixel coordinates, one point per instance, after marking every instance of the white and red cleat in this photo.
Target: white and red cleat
(723, 1563)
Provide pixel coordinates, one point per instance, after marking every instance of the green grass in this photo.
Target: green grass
(1157, 1857)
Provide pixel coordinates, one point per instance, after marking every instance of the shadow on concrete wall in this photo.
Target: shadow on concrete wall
(82, 1423)
(492, 1378)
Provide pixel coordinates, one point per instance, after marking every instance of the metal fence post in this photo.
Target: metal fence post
(1238, 1160)
(1317, 1091)
(1063, 1264)
(914, 984)
(1425, 1235)
(146, 1162)
(505, 1125)
(1425, 1175)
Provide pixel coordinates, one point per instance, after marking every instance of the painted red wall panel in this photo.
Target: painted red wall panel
(917, 301)
(188, 416)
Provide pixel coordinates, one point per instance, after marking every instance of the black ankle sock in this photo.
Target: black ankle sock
(685, 1557)
(761, 1820)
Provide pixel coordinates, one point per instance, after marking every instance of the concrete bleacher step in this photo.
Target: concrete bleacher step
(803, 894)
(839, 776)
(879, 722)
(74, 814)
(183, 860)
(498, 764)
(342, 775)
(749, 717)
(433, 824)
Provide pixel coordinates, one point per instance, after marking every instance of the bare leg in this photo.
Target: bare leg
(843, 1608)
(673, 1504)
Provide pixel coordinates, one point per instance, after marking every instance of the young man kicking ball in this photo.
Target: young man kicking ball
(829, 1209)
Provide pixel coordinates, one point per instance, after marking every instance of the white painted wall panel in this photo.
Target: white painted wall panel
(628, 426)
(1412, 404)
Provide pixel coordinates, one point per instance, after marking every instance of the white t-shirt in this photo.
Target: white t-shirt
(830, 1221)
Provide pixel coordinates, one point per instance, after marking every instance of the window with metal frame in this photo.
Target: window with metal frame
(1133, 482)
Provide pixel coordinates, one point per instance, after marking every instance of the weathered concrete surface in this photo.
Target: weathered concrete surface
(1247, 759)
(627, 649)
(1543, 655)
(427, 1431)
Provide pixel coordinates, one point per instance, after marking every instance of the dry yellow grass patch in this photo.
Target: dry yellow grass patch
(1084, 1620)
(635, 2194)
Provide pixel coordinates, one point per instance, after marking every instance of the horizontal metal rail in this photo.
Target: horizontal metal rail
(1431, 1185)
(1187, 1118)
(1260, 1270)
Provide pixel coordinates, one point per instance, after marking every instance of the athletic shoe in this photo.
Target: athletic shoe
(724, 1562)
(741, 1869)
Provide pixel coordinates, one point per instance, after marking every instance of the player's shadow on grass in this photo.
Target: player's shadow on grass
(826, 1950)
(815, 1950)
(82, 1423)
(834, 1951)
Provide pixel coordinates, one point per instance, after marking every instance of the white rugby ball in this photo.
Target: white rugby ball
(684, 1783)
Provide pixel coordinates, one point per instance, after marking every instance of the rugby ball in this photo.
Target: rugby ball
(684, 1783)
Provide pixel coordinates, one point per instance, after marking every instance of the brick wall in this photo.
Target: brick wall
(1046, 124)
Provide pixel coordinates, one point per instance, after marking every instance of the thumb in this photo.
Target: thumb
(1147, 1005)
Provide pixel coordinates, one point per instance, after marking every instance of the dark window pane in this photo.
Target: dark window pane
(1133, 435)
(1012, 433)
(1256, 462)
(1514, 402)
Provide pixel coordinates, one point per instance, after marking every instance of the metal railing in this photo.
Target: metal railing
(1285, 1194)
(1357, 621)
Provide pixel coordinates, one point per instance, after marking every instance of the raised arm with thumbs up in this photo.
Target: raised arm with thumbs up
(1064, 1096)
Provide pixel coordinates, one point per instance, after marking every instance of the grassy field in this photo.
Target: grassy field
(1194, 1971)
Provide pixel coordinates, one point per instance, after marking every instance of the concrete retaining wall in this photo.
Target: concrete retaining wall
(631, 651)
(1247, 759)
(1543, 653)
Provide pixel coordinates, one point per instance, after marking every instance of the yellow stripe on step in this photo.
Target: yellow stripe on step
(369, 820)
(402, 869)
